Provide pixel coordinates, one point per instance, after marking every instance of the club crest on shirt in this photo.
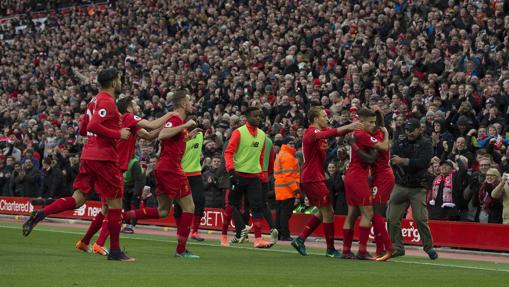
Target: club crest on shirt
(317, 131)
(374, 139)
(137, 118)
(102, 113)
(168, 125)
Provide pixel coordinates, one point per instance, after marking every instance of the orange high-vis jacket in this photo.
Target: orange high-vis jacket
(286, 173)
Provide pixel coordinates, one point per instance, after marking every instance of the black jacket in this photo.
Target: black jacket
(53, 184)
(420, 153)
(214, 196)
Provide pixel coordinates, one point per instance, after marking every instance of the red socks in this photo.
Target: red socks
(257, 227)
(142, 213)
(103, 235)
(363, 239)
(347, 240)
(61, 204)
(95, 225)
(381, 234)
(227, 217)
(196, 223)
(114, 224)
(328, 230)
(313, 223)
(183, 231)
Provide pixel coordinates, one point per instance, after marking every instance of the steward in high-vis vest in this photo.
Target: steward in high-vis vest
(287, 180)
(134, 181)
(191, 164)
(244, 157)
(268, 169)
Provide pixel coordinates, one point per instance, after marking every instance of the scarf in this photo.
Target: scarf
(485, 199)
(446, 192)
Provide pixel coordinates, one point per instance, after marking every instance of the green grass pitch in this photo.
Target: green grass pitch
(48, 258)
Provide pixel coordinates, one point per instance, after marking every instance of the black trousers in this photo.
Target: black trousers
(252, 189)
(198, 192)
(131, 200)
(284, 211)
(267, 214)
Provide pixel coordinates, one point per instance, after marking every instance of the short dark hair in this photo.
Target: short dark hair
(124, 103)
(47, 161)
(366, 113)
(106, 76)
(249, 110)
(179, 97)
(314, 112)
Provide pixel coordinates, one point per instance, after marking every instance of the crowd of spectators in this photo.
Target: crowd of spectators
(442, 62)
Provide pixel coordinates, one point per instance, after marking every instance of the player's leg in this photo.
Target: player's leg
(94, 226)
(253, 188)
(318, 195)
(232, 210)
(364, 229)
(328, 229)
(110, 185)
(177, 212)
(184, 227)
(199, 205)
(267, 214)
(165, 186)
(348, 230)
(127, 205)
(82, 185)
(99, 245)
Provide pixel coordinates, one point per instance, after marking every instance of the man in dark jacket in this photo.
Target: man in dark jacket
(214, 196)
(29, 179)
(53, 185)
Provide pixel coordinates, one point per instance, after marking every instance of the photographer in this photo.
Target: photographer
(412, 155)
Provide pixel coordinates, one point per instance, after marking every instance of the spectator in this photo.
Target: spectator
(53, 184)
(490, 209)
(447, 191)
(27, 180)
(214, 196)
(501, 192)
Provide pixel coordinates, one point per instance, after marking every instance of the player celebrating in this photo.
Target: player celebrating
(313, 178)
(358, 192)
(171, 181)
(382, 185)
(99, 163)
(138, 127)
(192, 168)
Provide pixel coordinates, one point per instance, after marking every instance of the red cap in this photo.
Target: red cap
(317, 82)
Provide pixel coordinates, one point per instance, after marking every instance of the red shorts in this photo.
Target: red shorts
(103, 176)
(383, 183)
(317, 193)
(358, 192)
(166, 183)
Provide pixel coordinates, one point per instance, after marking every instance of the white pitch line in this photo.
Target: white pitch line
(270, 250)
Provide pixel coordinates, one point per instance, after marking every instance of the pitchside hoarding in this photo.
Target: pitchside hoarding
(445, 233)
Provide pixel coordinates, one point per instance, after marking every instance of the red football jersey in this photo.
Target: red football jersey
(103, 129)
(314, 147)
(382, 162)
(173, 149)
(126, 148)
(364, 141)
